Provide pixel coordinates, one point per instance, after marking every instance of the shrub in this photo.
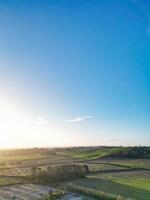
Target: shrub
(59, 173)
(54, 195)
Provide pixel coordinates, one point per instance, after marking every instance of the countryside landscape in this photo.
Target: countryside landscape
(75, 173)
(74, 99)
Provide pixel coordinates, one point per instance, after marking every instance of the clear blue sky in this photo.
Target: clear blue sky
(80, 66)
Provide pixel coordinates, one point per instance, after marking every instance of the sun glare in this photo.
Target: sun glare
(20, 128)
(13, 123)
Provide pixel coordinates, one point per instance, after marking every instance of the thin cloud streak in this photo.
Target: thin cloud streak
(79, 119)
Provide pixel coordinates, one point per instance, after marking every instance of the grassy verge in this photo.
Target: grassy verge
(11, 180)
(94, 193)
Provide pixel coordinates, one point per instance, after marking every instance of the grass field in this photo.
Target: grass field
(92, 154)
(135, 185)
(133, 163)
(136, 179)
(102, 167)
(5, 158)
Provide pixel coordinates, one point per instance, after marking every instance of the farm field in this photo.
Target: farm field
(89, 154)
(136, 179)
(100, 167)
(21, 157)
(133, 163)
(134, 185)
(125, 162)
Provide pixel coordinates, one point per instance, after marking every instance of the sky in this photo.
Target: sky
(74, 73)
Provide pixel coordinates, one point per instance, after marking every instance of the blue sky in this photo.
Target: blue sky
(78, 68)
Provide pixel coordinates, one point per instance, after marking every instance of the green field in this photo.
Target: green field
(136, 179)
(102, 152)
(92, 154)
(133, 163)
(103, 167)
(135, 185)
(5, 158)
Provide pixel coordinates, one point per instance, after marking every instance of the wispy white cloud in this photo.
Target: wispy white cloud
(80, 119)
(41, 121)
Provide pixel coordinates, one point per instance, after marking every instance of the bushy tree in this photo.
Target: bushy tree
(59, 172)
